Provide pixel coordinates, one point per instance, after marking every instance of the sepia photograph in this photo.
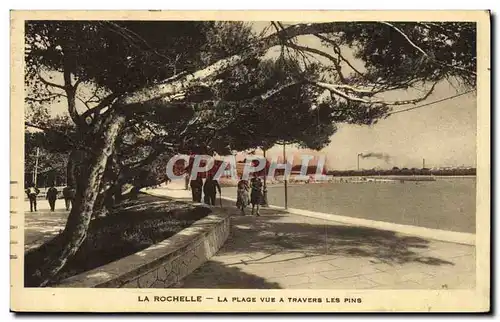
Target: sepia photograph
(219, 156)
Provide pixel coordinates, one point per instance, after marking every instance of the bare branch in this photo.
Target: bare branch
(319, 53)
(46, 82)
(84, 102)
(335, 90)
(105, 102)
(361, 91)
(338, 51)
(275, 91)
(406, 37)
(43, 99)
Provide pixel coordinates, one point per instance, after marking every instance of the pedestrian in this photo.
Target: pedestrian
(256, 193)
(32, 193)
(52, 197)
(196, 188)
(69, 196)
(242, 196)
(210, 190)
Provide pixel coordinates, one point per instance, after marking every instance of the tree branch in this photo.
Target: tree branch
(323, 54)
(274, 91)
(334, 89)
(338, 51)
(43, 99)
(84, 102)
(422, 51)
(108, 100)
(78, 81)
(46, 82)
(164, 90)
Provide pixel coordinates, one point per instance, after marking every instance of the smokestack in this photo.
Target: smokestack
(423, 163)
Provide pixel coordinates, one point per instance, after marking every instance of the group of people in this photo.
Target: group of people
(247, 192)
(51, 196)
(256, 194)
(209, 190)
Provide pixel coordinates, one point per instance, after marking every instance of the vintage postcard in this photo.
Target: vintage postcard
(250, 161)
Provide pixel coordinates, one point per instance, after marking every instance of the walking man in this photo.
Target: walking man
(210, 190)
(52, 197)
(196, 188)
(69, 195)
(32, 192)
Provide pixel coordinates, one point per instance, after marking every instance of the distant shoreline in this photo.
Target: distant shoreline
(357, 179)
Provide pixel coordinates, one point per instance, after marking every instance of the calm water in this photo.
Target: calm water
(448, 203)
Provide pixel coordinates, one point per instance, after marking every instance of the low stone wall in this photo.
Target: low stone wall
(164, 264)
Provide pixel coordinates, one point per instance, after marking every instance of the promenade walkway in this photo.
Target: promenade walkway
(43, 225)
(282, 250)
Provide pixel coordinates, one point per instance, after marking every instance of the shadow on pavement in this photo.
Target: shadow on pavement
(217, 275)
(293, 238)
(272, 233)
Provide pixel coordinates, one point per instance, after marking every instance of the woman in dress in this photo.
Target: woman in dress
(242, 196)
(256, 194)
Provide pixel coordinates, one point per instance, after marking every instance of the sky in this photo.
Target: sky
(444, 134)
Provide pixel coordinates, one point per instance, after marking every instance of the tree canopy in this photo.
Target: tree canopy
(204, 87)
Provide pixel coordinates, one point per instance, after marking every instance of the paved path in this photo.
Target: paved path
(43, 225)
(280, 250)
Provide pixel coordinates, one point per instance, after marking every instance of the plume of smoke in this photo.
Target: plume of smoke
(381, 156)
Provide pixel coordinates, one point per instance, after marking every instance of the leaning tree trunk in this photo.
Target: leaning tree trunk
(105, 199)
(79, 218)
(74, 167)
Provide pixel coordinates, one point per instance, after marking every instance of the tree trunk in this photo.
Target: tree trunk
(71, 168)
(105, 199)
(79, 218)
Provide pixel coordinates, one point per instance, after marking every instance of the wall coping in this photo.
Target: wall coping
(117, 273)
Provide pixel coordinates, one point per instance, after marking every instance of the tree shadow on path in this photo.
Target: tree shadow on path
(276, 231)
(217, 275)
(277, 237)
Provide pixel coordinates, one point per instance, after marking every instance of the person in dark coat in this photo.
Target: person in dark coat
(256, 193)
(52, 197)
(69, 195)
(32, 193)
(196, 189)
(210, 190)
